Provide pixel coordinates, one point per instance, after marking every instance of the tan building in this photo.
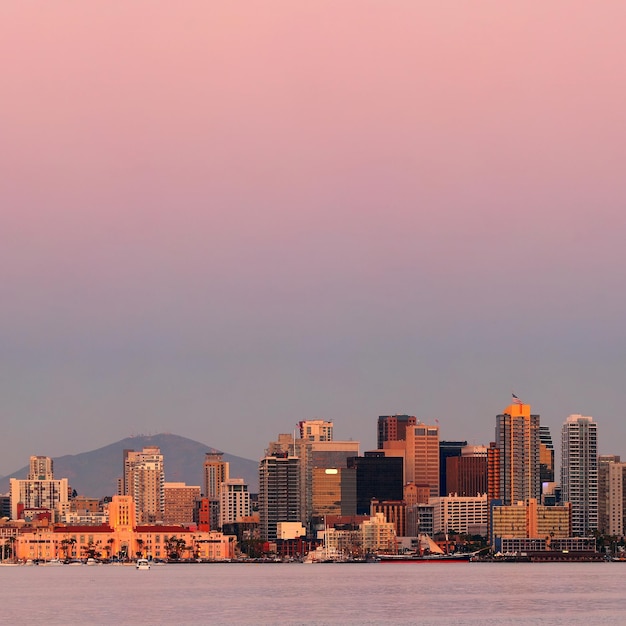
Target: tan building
(611, 495)
(180, 503)
(379, 535)
(316, 430)
(40, 491)
(531, 520)
(144, 481)
(422, 456)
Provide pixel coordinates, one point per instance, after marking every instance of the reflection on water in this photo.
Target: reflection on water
(295, 593)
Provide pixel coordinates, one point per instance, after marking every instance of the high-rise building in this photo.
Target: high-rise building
(235, 501)
(517, 439)
(546, 456)
(466, 475)
(334, 491)
(144, 480)
(611, 495)
(279, 492)
(422, 456)
(447, 450)
(316, 430)
(40, 468)
(180, 503)
(40, 491)
(216, 473)
(579, 471)
(393, 428)
(378, 477)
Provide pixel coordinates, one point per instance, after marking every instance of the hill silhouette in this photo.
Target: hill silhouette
(94, 474)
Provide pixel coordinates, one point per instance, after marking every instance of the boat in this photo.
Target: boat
(53, 563)
(142, 564)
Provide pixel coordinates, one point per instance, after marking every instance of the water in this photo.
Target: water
(294, 593)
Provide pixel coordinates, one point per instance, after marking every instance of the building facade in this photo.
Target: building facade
(517, 439)
(579, 472)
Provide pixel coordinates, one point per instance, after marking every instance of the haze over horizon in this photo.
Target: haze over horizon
(219, 219)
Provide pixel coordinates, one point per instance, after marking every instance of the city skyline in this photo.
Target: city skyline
(216, 215)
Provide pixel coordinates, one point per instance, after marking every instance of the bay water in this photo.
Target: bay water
(332, 593)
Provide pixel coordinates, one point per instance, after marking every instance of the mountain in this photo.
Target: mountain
(94, 474)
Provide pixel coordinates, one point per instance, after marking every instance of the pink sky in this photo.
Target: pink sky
(290, 209)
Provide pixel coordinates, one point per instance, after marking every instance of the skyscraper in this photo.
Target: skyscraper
(546, 456)
(422, 457)
(40, 491)
(279, 492)
(393, 428)
(579, 471)
(447, 450)
(517, 439)
(144, 480)
(611, 494)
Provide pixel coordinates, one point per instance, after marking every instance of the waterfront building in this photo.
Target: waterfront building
(579, 472)
(517, 439)
(448, 450)
(40, 491)
(379, 535)
(144, 481)
(393, 428)
(466, 475)
(531, 520)
(122, 538)
(378, 477)
(460, 514)
(235, 501)
(611, 495)
(216, 472)
(180, 503)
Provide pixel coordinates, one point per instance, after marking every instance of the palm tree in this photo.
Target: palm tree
(139, 552)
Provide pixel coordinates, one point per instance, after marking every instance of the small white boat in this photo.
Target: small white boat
(142, 564)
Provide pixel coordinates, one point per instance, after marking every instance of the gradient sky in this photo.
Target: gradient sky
(220, 218)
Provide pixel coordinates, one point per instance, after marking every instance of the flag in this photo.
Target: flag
(516, 400)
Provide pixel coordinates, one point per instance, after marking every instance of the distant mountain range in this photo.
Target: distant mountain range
(94, 474)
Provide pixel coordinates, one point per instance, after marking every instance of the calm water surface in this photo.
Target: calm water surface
(294, 593)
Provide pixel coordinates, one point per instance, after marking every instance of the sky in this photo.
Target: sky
(220, 218)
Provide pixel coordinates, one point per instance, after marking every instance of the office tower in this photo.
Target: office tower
(422, 456)
(180, 503)
(393, 428)
(144, 480)
(234, 501)
(378, 477)
(517, 439)
(40, 492)
(216, 472)
(466, 475)
(394, 512)
(333, 491)
(279, 492)
(316, 430)
(611, 495)
(40, 468)
(546, 456)
(579, 471)
(447, 449)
